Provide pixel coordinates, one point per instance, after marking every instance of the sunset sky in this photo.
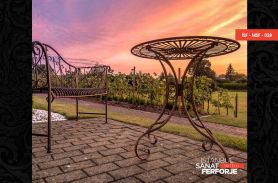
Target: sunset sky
(104, 31)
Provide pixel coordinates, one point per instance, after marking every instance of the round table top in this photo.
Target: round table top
(178, 48)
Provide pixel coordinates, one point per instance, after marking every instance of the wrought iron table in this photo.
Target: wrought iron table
(193, 48)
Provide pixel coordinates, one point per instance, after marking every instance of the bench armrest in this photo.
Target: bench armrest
(49, 69)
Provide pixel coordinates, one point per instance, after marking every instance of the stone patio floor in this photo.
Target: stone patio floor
(92, 151)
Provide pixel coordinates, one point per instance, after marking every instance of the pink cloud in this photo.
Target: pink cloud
(108, 34)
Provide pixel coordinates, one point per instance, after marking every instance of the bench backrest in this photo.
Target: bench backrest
(49, 69)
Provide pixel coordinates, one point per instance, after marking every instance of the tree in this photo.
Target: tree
(203, 69)
(240, 78)
(230, 73)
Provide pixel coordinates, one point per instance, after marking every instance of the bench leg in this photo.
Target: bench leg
(77, 109)
(49, 125)
(106, 108)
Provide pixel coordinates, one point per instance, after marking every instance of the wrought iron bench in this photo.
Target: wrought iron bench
(52, 75)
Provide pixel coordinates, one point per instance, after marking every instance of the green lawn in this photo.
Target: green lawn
(240, 121)
(68, 110)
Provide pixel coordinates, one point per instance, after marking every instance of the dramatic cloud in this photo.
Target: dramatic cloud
(106, 30)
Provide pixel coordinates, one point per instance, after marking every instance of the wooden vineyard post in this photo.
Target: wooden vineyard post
(218, 105)
(133, 84)
(236, 105)
(208, 107)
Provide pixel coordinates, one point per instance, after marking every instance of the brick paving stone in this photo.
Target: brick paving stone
(173, 151)
(100, 168)
(128, 162)
(111, 151)
(44, 153)
(125, 172)
(178, 167)
(237, 159)
(159, 181)
(242, 155)
(158, 149)
(46, 173)
(197, 172)
(76, 147)
(182, 178)
(134, 138)
(58, 146)
(40, 160)
(153, 164)
(100, 139)
(35, 167)
(196, 153)
(91, 137)
(175, 159)
(240, 174)
(150, 176)
(156, 155)
(193, 161)
(107, 159)
(178, 139)
(100, 178)
(232, 151)
(93, 149)
(102, 143)
(188, 148)
(129, 147)
(66, 154)
(109, 135)
(37, 149)
(128, 154)
(66, 177)
(75, 166)
(84, 142)
(119, 145)
(67, 140)
(122, 141)
(214, 179)
(87, 156)
(55, 163)
(169, 145)
(38, 181)
(128, 180)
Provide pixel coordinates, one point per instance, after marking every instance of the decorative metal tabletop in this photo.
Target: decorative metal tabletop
(180, 48)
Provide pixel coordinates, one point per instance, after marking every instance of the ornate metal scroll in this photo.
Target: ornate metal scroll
(179, 48)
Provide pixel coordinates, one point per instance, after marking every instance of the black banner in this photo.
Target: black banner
(262, 95)
(15, 91)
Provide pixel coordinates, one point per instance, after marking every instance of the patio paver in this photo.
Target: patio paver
(90, 151)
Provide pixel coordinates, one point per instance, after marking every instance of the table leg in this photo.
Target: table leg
(200, 127)
(159, 122)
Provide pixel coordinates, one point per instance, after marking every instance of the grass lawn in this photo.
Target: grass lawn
(240, 121)
(68, 110)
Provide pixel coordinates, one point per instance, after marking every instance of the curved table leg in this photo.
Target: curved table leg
(200, 127)
(159, 122)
